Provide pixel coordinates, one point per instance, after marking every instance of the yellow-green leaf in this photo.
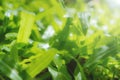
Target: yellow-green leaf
(26, 23)
(40, 62)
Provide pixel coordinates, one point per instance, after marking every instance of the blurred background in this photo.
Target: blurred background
(86, 34)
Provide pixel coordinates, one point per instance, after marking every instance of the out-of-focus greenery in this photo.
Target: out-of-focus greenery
(59, 40)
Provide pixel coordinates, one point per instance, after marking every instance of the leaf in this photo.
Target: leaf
(26, 24)
(40, 62)
(61, 74)
(79, 68)
(10, 36)
(58, 61)
(78, 76)
(62, 36)
(35, 33)
(9, 71)
(83, 17)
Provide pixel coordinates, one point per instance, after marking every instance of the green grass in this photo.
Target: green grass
(59, 40)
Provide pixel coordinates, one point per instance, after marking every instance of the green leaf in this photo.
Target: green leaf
(26, 24)
(78, 76)
(61, 71)
(40, 62)
(83, 17)
(61, 74)
(9, 71)
(79, 68)
(35, 33)
(11, 36)
(58, 61)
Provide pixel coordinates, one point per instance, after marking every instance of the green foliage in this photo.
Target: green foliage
(26, 23)
(59, 40)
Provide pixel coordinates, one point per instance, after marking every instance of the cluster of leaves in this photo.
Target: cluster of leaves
(58, 40)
